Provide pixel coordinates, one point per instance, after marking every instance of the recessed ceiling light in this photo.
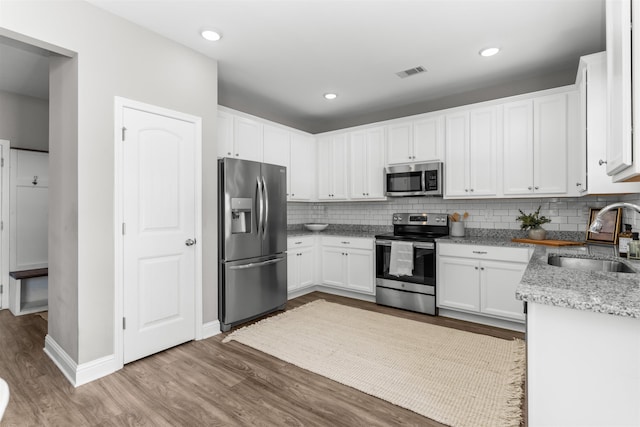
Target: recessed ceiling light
(490, 51)
(330, 95)
(211, 35)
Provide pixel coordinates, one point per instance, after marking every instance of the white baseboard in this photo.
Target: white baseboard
(210, 329)
(484, 320)
(78, 374)
(329, 290)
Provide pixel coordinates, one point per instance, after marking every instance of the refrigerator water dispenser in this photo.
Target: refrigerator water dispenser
(241, 212)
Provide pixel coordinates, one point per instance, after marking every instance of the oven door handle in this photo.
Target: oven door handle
(415, 244)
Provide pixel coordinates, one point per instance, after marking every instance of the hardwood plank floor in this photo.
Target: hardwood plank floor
(201, 383)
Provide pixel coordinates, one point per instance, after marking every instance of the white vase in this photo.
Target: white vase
(457, 229)
(537, 233)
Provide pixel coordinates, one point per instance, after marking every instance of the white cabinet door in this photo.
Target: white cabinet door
(360, 270)
(518, 148)
(358, 166)
(428, 139)
(332, 167)
(375, 163)
(619, 88)
(550, 144)
(225, 134)
(458, 285)
(276, 146)
(306, 262)
(333, 265)
(457, 167)
(302, 170)
(247, 139)
(293, 281)
(400, 143)
(498, 282)
(483, 142)
(367, 164)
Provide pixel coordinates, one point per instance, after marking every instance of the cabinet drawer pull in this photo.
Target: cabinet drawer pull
(298, 243)
(480, 252)
(346, 243)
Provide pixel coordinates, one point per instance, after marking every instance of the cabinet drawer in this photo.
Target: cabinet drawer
(484, 252)
(348, 242)
(299, 242)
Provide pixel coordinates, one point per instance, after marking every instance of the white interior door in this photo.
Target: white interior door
(4, 229)
(159, 226)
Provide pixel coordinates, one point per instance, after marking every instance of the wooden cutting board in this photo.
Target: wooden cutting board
(549, 242)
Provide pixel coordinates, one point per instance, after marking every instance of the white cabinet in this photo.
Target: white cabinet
(536, 141)
(367, 164)
(276, 143)
(301, 256)
(592, 82)
(481, 279)
(332, 167)
(418, 140)
(239, 137)
(619, 87)
(471, 153)
(296, 153)
(301, 173)
(348, 263)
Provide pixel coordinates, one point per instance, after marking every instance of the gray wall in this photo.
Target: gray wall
(114, 58)
(24, 121)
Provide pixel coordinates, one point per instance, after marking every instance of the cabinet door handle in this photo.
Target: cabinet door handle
(530, 188)
(476, 268)
(536, 187)
(481, 268)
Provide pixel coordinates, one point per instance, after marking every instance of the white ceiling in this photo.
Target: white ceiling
(277, 58)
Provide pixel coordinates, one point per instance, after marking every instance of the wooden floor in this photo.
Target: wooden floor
(203, 383)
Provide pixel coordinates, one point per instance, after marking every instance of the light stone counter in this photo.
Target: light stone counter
(600, 292)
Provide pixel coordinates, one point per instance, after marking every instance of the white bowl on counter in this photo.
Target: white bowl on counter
(316, 227)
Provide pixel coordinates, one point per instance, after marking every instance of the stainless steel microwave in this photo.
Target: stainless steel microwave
(418, 179)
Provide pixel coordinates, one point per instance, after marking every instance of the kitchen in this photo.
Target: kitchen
(485, 214)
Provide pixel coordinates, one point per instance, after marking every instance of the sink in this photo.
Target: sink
(589, 264)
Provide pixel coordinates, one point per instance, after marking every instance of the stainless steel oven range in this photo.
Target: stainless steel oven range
(414, 287)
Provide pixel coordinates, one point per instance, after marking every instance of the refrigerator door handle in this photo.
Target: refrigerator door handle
(256, 264)
(265, 224)
(260, 203)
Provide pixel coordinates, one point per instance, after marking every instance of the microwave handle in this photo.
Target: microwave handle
(423, 178)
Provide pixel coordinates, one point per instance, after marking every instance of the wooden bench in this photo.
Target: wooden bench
(29, 291)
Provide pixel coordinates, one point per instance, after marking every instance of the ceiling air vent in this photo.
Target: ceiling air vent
(411, 72)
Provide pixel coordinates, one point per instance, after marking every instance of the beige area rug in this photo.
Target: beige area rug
(454, 377)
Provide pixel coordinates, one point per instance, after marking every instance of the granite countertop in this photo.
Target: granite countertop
(330, 232)
(610, 293)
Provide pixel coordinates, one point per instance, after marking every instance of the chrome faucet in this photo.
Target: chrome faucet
(596, 225)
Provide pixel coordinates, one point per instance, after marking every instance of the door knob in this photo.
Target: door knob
(190, 242)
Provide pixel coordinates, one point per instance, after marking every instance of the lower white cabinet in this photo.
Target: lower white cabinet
(348, 263)
(301, 256)
(481, 279)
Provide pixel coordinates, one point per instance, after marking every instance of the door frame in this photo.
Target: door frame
(120, 103)
(5, 232)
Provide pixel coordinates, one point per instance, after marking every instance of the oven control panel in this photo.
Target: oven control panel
(420, 219)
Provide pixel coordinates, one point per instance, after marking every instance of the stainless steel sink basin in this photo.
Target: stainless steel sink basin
(587, 264)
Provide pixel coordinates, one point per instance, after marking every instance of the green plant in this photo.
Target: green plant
(534, 220)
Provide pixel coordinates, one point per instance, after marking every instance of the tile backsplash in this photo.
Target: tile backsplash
(568, 214)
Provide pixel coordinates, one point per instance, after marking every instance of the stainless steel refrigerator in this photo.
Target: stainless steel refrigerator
(252, 231)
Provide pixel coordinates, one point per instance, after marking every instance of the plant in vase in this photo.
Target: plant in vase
(533, 222)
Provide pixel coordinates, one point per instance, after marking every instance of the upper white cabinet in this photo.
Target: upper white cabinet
(471, 153)
(418, 140)
(619, 89)
(367, 164)
(536, 142)
(623, 68)
(239, 137)
(592, 82)
(332, 167)
(276, 146)
(302, 171)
